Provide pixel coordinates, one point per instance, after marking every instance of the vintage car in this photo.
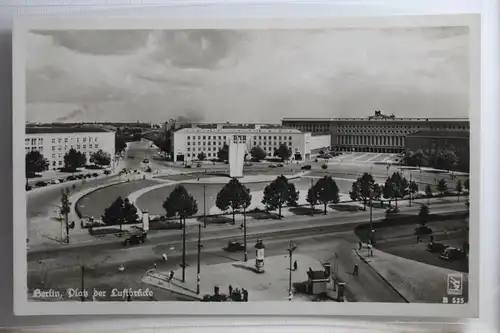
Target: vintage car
(234, 246)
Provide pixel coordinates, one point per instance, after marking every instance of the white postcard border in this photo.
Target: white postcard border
(24, 307)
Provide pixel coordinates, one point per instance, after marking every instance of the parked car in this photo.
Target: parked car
(41, 184)
(69, 178)
(54, 181)
(198, 165)
(137, 236)
(452, 253)
(248, 164)
(436, 247)
(272, 165)
(306, 167)
(279, 165)
(145, 161)
(95, 174)
(423, 230)
(234, 246)
(187, 166)
(29, 187)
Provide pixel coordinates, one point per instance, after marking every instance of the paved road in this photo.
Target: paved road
(101, 271)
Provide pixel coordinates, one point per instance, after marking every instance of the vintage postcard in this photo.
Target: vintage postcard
(286, 167)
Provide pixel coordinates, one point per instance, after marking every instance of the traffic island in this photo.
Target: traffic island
(271, 285)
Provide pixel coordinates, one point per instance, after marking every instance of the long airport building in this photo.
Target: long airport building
(385, 134)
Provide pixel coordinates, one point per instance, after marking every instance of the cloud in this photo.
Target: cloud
(254, 75)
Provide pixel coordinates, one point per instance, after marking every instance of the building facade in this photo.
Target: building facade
(378, 133)
(209, 139)
(54, 142)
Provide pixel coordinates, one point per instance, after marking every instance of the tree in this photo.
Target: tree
(364, 189)
(257, 153)
(74, 159)
(326, 191)
(446, 159)
(182, 204)
(114, 214)
(442, 186)
(223, 153)
(201, 156)
(388, 190)
(100, 158)
(466, 185)
(35, 162)
(120, 143)
(65, 209)
(312, 198)
(459, 188)
(129, 212)
(284, 152)
(428, 193)
(233, 195)
(413, 188)
(279, 192)
(400, 186)
(424, 214)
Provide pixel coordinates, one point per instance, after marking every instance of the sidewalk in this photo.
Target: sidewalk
(415, 281)
(366, 286)
(272, 285)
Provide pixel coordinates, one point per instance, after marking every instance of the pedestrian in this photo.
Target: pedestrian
(295, 265)
(360, 244)
(164, 257)
(245, 295)
(171, 276)
(370, 250)
(230, 290)
(418, 239)
(154, 265)
(355, 272)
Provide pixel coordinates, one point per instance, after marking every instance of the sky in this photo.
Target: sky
(246, 75)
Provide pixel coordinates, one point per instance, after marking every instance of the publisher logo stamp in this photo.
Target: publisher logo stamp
(455, 284)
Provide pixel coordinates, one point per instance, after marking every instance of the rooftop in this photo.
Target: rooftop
(74, 129)
(375, 119)
(317, 275)
(239, 130)
(440, 134)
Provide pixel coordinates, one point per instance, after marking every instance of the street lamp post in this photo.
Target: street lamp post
(245, 232)
(371, 220)
(204, 206)
(335, 270)
(198, 276)
(183, 250)
(410, 189)
(82, 282)
(290, 250)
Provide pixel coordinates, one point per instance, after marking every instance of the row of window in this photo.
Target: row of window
(223, 137)
(60, 148)
(39, 141)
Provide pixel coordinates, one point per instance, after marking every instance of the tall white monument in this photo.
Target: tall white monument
(237, 150)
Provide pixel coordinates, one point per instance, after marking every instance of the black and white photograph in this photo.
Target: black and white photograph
(321, 163)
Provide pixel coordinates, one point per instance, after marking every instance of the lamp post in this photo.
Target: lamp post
(371, 221)
(335, 270)
(245, 232)
(183, 264)
(204, 206)
(198, 276)
(292, 247)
